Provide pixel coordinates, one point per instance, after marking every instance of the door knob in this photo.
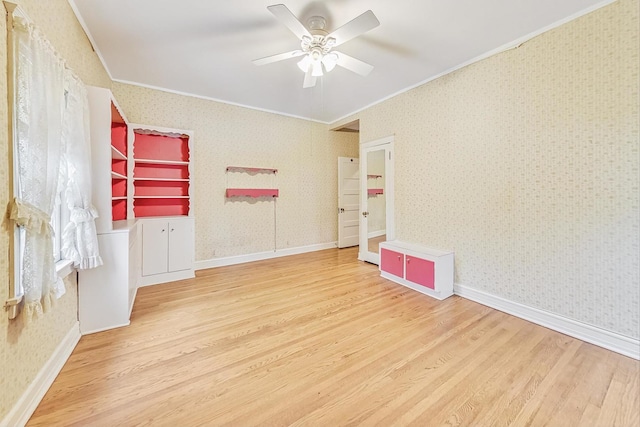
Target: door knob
(365, 214)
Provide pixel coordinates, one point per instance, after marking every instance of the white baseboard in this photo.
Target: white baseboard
(601, 337)
(157, 279)
(259, 256)
(378, 233)
(28, 402)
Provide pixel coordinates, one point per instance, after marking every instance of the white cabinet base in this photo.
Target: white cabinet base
(106, 293)
(167, 250)
(422, 269)
(166, 277)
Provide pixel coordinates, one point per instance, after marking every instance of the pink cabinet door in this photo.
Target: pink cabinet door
(420, 271)
(392, 262)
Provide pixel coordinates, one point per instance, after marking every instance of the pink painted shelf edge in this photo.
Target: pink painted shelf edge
(252, 192)
(375, 191)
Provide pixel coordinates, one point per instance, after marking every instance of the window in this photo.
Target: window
(50, 150)
(59, 220)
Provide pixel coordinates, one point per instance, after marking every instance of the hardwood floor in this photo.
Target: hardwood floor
(321, 340)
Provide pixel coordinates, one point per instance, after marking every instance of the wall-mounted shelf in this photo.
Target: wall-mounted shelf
(252, 192)
(119, 198)
(375, 191)
(251, 170)
(374, 176)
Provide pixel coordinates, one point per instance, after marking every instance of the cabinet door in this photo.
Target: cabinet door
(392, 262)
(180, 245)
(155, 245)
(420, 271)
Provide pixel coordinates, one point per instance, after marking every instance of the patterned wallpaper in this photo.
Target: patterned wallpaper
(24, 348)
(526, 165)
(304, 153)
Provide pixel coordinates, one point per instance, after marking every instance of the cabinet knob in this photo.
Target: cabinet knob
(398, 257)
(408, 260)
(163, 230)
(172, 230)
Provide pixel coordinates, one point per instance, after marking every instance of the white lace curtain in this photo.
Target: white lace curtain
(51, 154)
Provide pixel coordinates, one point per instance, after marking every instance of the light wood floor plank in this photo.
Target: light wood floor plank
(321, 339)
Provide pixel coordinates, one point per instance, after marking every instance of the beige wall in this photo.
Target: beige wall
(24, 348)
(305, 154)
(526, 165)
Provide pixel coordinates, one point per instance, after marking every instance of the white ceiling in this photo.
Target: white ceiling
(205, 47)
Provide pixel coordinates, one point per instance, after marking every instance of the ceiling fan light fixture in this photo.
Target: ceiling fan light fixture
(317, 68)
(304, 63)
(329, 61)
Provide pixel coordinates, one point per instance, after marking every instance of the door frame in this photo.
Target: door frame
(386, 143)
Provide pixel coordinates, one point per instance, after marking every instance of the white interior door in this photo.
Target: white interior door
(376, 198)
(348, 202)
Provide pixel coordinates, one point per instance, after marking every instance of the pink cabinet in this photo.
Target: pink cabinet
(392, 262)
(420, 271)
(423, 269)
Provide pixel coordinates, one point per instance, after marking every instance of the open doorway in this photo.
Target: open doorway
(348, 194)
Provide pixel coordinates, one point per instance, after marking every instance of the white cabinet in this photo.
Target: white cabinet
(106, 293)
(423, 269)
(167, 249)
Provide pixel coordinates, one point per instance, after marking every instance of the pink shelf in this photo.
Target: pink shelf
(374, 176)
(253, 170)
(374, 191)
(252, 192)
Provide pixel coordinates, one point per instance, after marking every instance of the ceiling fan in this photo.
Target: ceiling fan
(316, 44)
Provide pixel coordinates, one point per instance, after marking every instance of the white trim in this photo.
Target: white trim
(507, 46)
(94, 46)
(418, 288)
(64, 267)
(106, 328)
(221, 101)
(387, 144)
(378, 233)
(259, 256)
(610, 340)
(172, 276)
(30, 399)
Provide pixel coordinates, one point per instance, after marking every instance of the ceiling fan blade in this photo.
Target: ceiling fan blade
(278, 57)
(309, 80)
(360, 25)
(353, 64)
(289, 19)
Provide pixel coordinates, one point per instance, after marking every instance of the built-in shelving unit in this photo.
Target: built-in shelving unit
(119, 165)
(251, 192)
(161, 173)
